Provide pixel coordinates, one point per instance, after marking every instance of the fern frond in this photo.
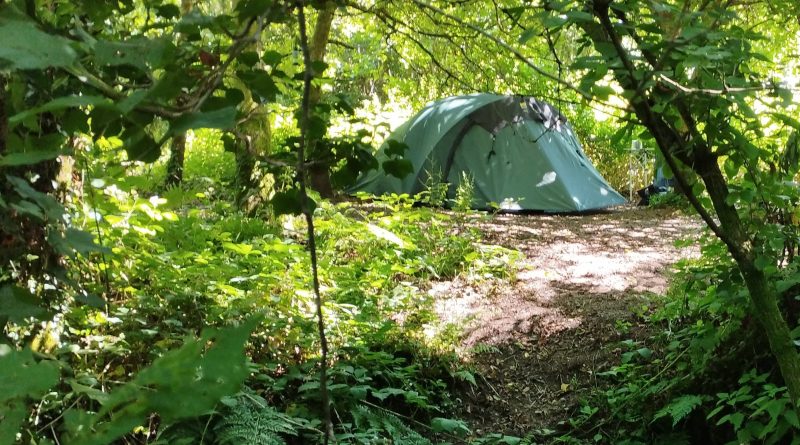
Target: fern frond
(679, 408)
(382, 424)
(250, 420)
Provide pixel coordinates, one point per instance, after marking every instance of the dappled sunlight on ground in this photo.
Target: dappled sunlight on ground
(539, 341)
(620, 252)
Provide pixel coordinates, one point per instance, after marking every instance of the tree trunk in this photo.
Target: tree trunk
(175, 164)
(763, 295)
(177, 154)
(319, 174)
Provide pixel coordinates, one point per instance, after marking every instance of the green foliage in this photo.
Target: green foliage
(377, 425)
(757, 410)
(249, 419)
(465, 193)
(216, 371)
(671, 199)
(21, 378)
(679, 408)
(436, 187)
(103, 286)
(30, 48)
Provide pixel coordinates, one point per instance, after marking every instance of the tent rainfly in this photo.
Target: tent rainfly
(519, 152)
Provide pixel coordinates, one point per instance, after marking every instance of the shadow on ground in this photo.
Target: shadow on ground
(538, 342)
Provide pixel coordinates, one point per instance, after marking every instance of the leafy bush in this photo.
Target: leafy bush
(677, 388)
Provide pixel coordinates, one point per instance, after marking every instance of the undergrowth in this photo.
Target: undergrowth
(182, 266)
(705, 376)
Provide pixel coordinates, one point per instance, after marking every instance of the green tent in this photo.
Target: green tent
(519, 152)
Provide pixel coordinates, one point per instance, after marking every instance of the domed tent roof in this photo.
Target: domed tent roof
(519, 152)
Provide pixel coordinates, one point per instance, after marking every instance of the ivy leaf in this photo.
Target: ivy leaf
(25, 47)
(399, 168)
(395, 148)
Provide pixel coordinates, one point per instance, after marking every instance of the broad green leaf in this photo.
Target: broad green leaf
(528, 34)
(787, 120)
(13, 415)
(51, 208)
(93, 393)
(168, 11)
(29, 209)
(554, 21)
(289, 202)
(764, 262)
(579, 16)
(184, 383)
(27, 158)
(18, 305)
(272, 57)
(140, 146)
(73, 241)
(60, 104)
(224, 118)
(252, 8)
(449, 426)
(21, 377)
(383, 393)
(139, 52)
(791, 417)
(386, 235)
(260, 83)
(26, 47)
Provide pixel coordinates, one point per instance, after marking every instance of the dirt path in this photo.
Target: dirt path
(538, 343)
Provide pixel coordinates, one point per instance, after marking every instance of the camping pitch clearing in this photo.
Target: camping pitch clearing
(519, 152)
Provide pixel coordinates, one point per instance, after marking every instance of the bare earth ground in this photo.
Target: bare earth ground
(538, 342)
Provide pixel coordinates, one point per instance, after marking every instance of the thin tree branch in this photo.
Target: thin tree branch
(601, 10)
(305, 205)
(521, 57)
(720, 92)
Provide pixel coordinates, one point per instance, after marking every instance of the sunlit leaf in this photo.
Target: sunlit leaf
(27, 47)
